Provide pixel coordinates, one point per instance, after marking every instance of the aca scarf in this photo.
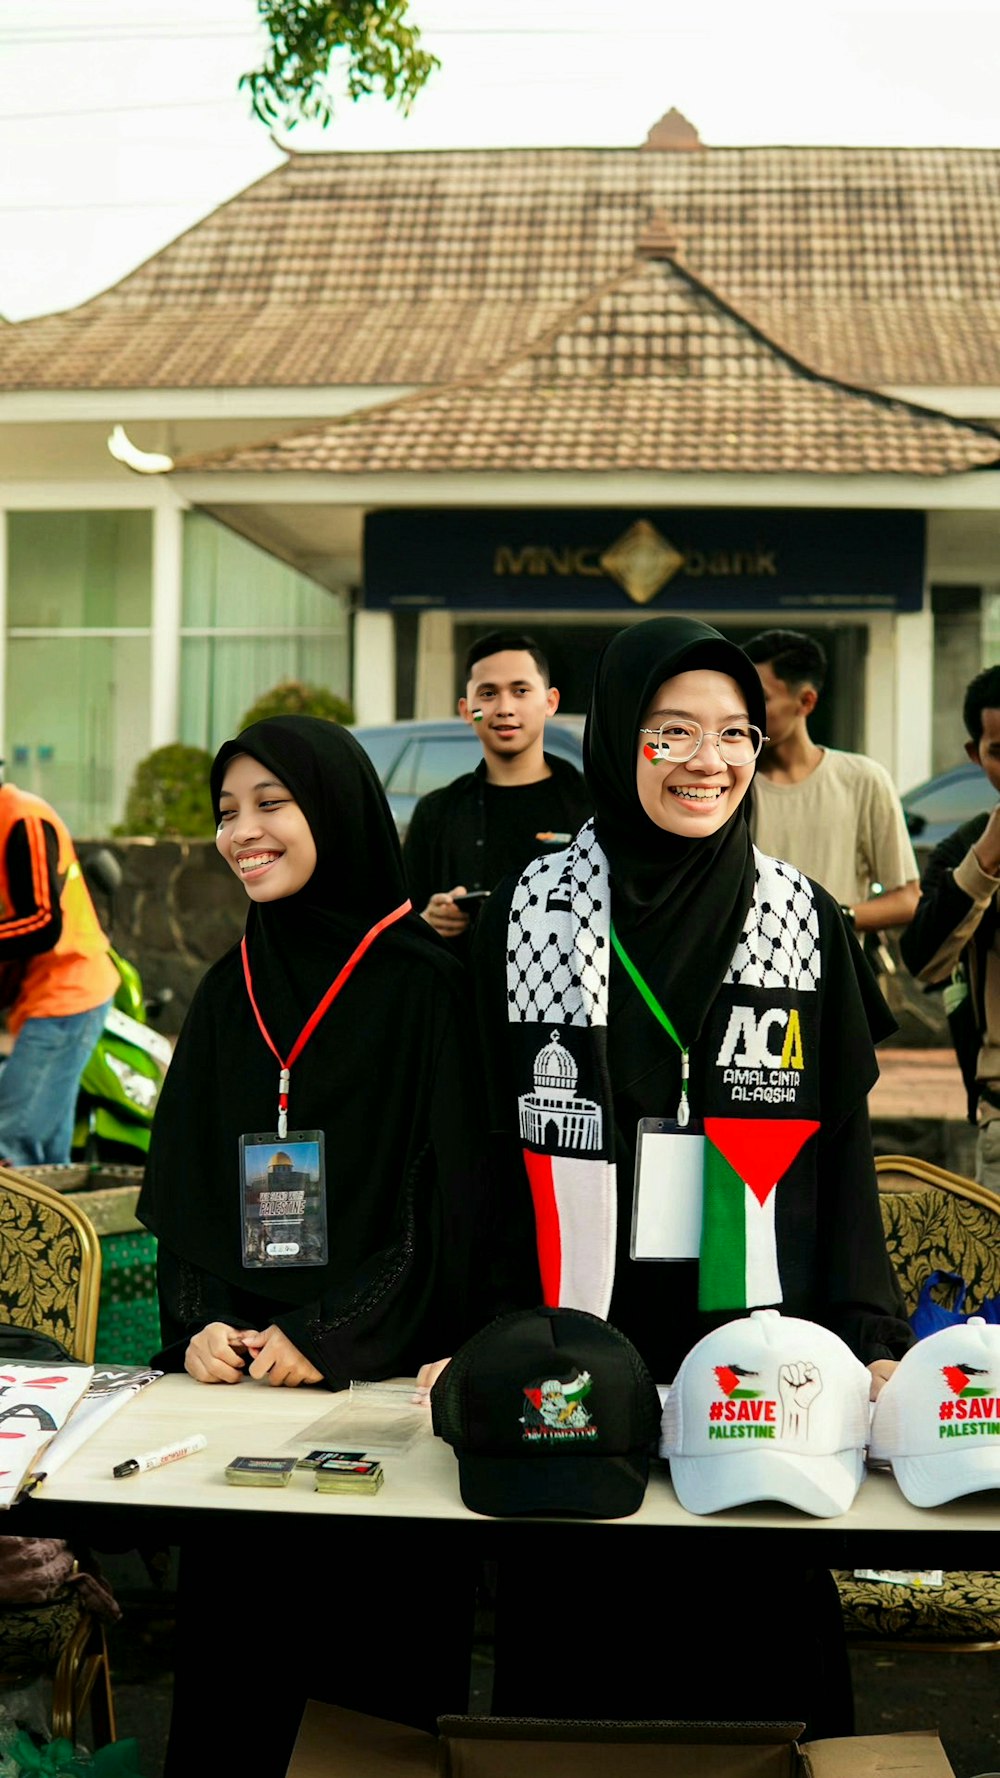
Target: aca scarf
(558, 946)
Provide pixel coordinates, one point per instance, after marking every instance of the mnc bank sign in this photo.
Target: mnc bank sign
(610, 560)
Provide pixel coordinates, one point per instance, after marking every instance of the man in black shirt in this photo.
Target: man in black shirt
(518, 802)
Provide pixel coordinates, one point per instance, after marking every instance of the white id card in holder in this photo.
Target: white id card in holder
(667, 1196)
(283, 1199)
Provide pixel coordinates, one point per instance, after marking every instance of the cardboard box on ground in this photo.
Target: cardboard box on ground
(335, 1743)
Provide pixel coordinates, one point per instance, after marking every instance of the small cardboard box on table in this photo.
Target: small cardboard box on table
(335, 1743)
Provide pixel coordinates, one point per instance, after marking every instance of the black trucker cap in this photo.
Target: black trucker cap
(549, 1411)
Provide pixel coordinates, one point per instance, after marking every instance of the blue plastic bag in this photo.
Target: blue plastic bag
(930, 1316)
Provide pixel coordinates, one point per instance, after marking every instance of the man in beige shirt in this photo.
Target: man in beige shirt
(835, 815)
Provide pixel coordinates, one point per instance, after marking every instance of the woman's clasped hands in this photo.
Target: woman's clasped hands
(224, 1354)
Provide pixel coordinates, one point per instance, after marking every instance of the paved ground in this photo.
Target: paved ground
(918, 1083)
(918, 1108)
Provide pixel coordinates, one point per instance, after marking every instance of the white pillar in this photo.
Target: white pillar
(165, 662)
(879, 740)
(989, 606)
(914, 700)
(373, 669)
(3, 632)
(435, 690)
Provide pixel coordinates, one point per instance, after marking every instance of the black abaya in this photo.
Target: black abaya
(396, 1099)
(388, 1076)
(717, 1647)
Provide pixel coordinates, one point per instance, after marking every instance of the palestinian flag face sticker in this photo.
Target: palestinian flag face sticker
(555, 1410)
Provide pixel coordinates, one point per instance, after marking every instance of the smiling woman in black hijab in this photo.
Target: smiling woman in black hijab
(662, 969)
(666, 881)
(303, 821)
(677, 973)
(385, 1076)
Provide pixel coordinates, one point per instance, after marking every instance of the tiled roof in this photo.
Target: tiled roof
(918, 340)
(653, 373)
(224, 348)
(880, 263)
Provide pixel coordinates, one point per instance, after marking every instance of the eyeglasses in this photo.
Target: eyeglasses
(677, 740)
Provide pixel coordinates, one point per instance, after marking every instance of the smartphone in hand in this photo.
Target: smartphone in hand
(470, 903)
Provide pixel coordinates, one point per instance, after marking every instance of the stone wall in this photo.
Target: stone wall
(178, 909)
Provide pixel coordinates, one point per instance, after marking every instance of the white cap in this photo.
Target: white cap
(937, 1419)
(770, 1408)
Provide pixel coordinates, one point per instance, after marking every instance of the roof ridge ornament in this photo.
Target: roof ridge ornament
(674, 133)
(658, 239)
(143, 462)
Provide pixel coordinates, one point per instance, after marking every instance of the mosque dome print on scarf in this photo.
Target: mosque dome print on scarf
(555, 1115)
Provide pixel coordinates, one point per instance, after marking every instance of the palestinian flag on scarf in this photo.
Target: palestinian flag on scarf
(744, 1160)
(576, 1213)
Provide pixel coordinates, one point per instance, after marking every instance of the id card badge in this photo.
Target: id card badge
(283, 1199)
(667, 1196)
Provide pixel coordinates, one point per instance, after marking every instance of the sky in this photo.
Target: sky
(121, 121)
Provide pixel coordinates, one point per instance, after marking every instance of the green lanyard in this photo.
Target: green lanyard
(683, 1108)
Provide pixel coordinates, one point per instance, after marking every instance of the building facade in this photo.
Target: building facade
(403, 397)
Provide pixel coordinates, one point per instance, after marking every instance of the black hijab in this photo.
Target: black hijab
(223, 1080)
(298, 944)
(678, 904)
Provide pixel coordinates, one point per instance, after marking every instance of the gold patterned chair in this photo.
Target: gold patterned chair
(50, 1264)
(50, 1282)
(934, 1221)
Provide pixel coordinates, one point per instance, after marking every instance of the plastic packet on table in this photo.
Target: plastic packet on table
(380, 1419)
(394, 1395)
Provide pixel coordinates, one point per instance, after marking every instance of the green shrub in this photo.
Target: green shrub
(293, 698)
(168, 797)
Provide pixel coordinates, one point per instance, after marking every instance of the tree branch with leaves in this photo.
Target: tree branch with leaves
(371, 39)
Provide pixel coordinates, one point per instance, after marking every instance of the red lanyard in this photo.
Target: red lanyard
(324, 1006)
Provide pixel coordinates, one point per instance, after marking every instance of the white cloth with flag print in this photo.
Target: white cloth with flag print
(36, 1400)
(558, 963)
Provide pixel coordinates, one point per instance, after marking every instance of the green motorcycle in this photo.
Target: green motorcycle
(120, 1085)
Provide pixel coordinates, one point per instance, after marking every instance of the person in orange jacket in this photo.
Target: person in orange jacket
(58, 975)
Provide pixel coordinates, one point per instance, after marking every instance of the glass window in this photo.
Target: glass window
(400, 779)
(956, 802)
(382, 747)
(438, 762)
(250, 622)
(78, 703)
(79, 570)
(222, 676)
(77, 724)
(231, 584)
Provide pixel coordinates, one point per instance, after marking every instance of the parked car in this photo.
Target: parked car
(413, 757)
(935, 808)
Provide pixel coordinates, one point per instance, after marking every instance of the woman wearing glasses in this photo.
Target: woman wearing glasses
(662, 1003)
